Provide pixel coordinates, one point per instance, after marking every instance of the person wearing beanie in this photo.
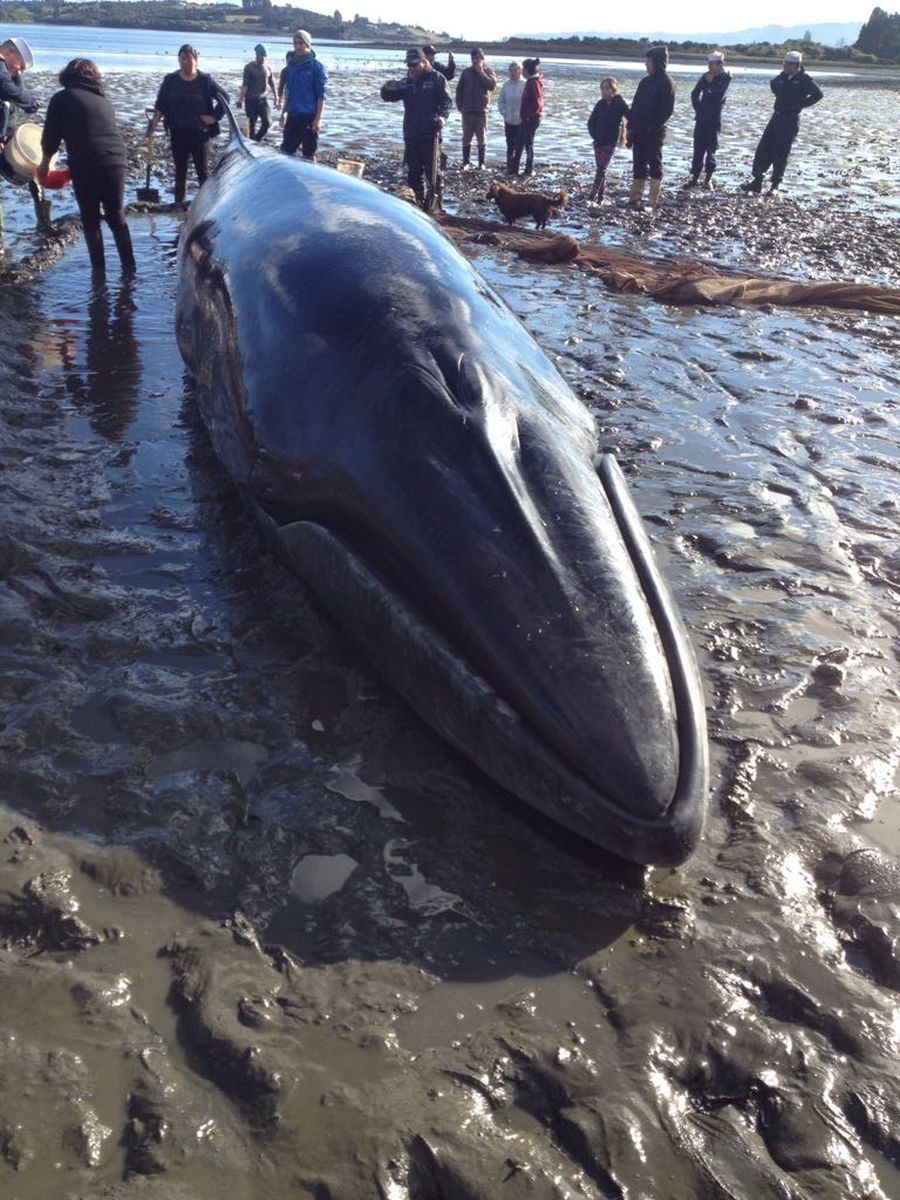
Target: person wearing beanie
(305, 85)
(473, 93)
(15, 59)
(708, 98)
(651, 107)
(431, 54)
(793, 91)
(257, 79)
(531, 110)
(426, 106)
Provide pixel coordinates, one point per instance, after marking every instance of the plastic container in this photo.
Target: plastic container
(349, 166)
(23, 153)
(55, 179)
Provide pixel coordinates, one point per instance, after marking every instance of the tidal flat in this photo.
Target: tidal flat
(263, 934)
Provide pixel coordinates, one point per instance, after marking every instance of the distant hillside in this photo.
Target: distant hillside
(831, 33)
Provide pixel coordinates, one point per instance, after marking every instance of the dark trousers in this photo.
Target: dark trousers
(646, 155)
(419, 164)
(512, 136)
(257, 109)
(602, 158)
(104, 191)
(297, 133)
(706, 143)
(190, 144)
(525, 141)
(775, 147)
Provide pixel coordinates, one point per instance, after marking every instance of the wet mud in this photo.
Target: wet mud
(261, 933)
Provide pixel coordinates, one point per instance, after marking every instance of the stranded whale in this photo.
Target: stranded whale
(431, 476)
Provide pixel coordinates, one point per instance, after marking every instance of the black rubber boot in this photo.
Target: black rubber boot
(481, 158)
(122, 239)
(94, 241)
(466, 152)
(753, 188)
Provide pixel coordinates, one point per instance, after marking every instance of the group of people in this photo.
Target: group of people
(190, 104)
(640, 126)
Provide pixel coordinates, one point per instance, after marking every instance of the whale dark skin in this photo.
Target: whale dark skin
(425, 468)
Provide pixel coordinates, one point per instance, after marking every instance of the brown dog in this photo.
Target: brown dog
(525, 204)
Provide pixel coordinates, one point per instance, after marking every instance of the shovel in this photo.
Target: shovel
(147, 194)
(435, 191)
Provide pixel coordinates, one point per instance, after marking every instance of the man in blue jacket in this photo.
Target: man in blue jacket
(426, 106)
(708, 98)
(305, 82)
(15, 59)
(793, 91)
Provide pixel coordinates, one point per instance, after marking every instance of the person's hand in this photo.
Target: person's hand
(43, 167)
(439, 122)
(239, 103)
(206, 119)
(315, 124)
(629, 140)
(282, 118)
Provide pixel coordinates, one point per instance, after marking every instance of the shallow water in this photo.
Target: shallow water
(261, 931)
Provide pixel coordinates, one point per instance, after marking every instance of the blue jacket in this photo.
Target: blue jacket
(12, 90)
(305, 81)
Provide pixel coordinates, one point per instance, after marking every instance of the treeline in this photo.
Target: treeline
(636, 48)
(880, 36)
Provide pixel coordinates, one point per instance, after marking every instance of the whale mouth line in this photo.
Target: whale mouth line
(469, 711)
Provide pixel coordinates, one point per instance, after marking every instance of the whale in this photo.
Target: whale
(424, 467)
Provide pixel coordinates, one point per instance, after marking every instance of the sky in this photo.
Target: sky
(473, 19)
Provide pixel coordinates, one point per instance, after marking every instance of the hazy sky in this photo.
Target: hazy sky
(477, 19)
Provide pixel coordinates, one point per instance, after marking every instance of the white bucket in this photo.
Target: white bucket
(23, 151)
(349, 166)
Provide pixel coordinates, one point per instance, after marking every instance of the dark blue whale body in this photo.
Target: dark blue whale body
(431, 476)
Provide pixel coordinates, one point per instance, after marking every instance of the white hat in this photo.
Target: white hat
(303, 36)
(24, 50)
(716, 56)
(793, 56)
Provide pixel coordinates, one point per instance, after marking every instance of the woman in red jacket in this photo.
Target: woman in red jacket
(532, 109)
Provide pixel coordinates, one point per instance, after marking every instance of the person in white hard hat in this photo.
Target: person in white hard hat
(708, 98)
(793, 90)
(15, 58)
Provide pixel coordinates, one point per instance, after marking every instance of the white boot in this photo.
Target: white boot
(636, 195)
(655, 187)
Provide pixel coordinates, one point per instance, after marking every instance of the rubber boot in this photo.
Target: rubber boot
(708, 183)
(692, 182)
(655, 189)
(466, 152)
(481, 150)
(122, 238)
(94, 241)
(636, 195)
(754, 187)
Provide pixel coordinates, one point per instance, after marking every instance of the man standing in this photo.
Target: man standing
(15, 59)
(473, 94)
(258, 78)
(793, 90)
(305, 82)
(449, 71)
(708, 98)
(426, 106)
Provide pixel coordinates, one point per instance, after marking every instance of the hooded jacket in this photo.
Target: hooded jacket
(305, 81)
(653, 104)
(82, 117)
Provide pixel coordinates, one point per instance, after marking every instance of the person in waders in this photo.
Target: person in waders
(653, 104)
(426, 106)
(708, 98)
(793, 91)
(81, 116)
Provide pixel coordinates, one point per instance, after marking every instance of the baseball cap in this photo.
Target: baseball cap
(716, 56)
(793, 56)
(414, 56)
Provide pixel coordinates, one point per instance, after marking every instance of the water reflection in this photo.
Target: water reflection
(104, 376)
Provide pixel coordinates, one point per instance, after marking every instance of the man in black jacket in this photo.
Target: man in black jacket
(708, 98)
(426, 106)
(449, 71)
(793, 90)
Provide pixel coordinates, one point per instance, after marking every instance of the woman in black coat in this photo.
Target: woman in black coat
(188, 102)
(653, 104)
(82, 117)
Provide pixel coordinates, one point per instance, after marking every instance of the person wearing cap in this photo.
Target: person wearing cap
(473, 94)
(653, 104)
(426, 106)
(449, 71)
(707, 99)
(305, 85)
(531, 110)
(15, 59)
(256, 79)
(793, 91)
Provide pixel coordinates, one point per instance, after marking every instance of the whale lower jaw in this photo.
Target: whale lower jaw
(462, 707)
